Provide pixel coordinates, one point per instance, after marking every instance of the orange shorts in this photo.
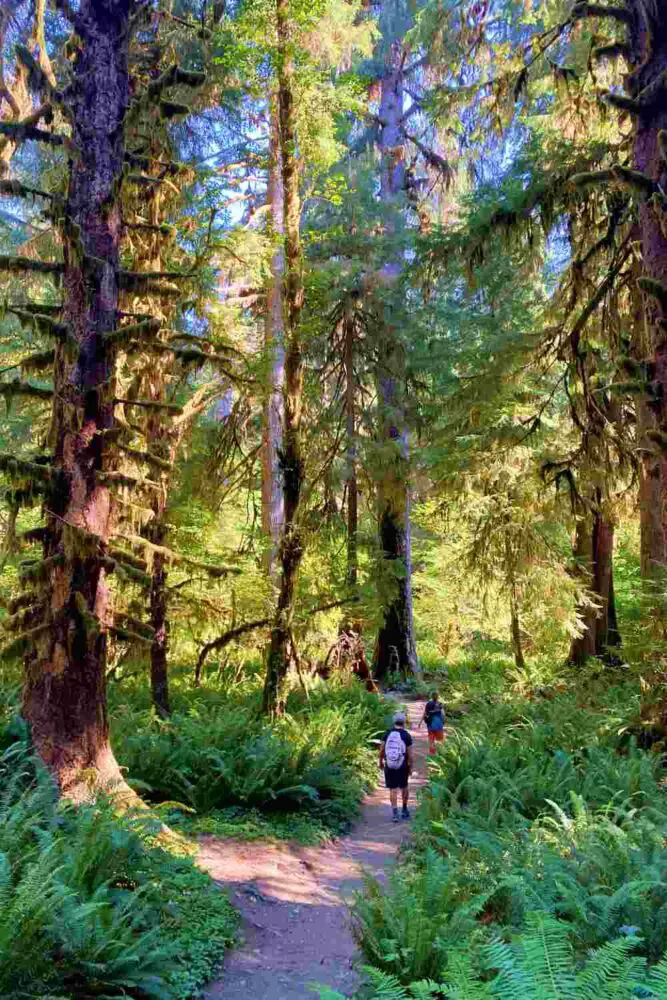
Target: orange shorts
(435, 736)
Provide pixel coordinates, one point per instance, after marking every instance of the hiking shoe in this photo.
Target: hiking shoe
(395, 816)
(406, 813)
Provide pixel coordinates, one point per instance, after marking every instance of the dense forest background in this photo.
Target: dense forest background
(333, 348)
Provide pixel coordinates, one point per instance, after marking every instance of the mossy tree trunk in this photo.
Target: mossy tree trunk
(273, 503)
(65, 696)
(646, 83)
(291, 458)
(594, 555)
(352, 485)
(395, 649)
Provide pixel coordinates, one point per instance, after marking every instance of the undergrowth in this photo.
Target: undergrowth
(539, 865)
(234, 773)
(91, 906)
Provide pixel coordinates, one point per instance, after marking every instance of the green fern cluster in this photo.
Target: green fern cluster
(88, 908)
(539, 849)
(216, 752)
(540, 966)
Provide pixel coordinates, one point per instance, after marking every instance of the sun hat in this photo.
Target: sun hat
(399, 717)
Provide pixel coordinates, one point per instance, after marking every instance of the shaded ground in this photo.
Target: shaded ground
(293, 899)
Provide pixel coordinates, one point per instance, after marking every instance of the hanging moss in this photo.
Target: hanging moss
(590, 177)
(23, 468)
(662, 144)
(172, 109)
(35, 571)
(18, 388)
(144, 180)
(164, 229)
(27, 617)
(41, 322)
(623, 103)
(14, 189)
(18, 264)
(39, 361)
(26, 496)
(134, 625)
(116, 478)
(617, 50)
(45, 309)
(22, 601)
(18, 132)
(17, 649)
(148, 457)
(125, 334)
(171, 556)
(635, 180)
(127, 636)
(128, 559)
(34, 536)
(655, 289)
(172, 77)
(89, 621)
(151, 404)
(658, 437)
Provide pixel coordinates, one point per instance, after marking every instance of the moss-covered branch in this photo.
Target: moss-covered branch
(150, 404)
(14, 189)
(19, 132)
(41, 322)
(25, 468)
(583, 10)
(21, 264)
(126, 334)
(146, 456)
(18, 388)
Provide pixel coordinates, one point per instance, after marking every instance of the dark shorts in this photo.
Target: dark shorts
(396, 778)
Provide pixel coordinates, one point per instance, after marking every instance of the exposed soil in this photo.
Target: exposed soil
(294, 900)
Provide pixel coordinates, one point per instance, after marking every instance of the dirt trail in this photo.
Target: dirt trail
(293, 900)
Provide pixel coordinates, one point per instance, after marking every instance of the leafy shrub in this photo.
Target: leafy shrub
(216, 752)
(89, 908)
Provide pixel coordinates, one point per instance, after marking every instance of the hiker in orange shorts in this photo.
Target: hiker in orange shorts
(434, 717)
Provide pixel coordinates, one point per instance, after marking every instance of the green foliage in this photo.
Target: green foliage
(216, 753)
(539, 865)
(90, 908)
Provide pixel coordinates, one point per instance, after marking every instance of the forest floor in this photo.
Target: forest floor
(294, 900)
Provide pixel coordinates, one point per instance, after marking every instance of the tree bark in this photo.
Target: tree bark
(583, 646)
(395, 648)
(65, 693)
(273, 504)
(648, 48)
(594, 553)
(515, 630)
(291, 545)
(352, 485)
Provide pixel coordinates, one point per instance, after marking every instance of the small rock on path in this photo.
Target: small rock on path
(293, 900)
